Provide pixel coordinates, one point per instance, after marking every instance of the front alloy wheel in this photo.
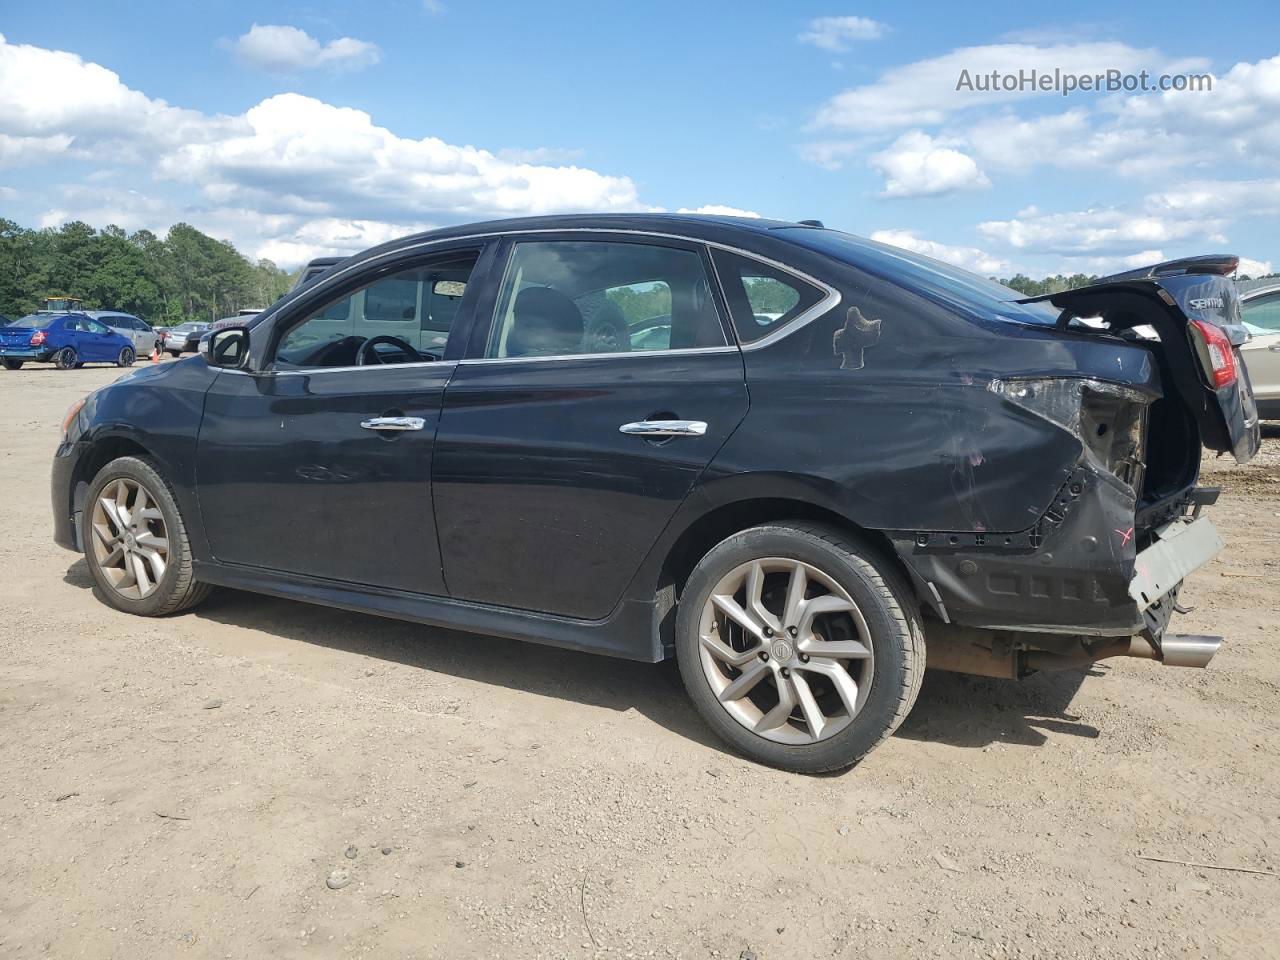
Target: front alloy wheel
(126, 357)
(799, 645)
(135, 541)
(130, 540)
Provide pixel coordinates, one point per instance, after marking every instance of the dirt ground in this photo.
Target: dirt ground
(184, 787)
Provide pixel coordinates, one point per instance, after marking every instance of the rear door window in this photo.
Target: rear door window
(570, 297)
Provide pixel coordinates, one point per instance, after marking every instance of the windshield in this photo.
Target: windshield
(32, 321)
(940, 281)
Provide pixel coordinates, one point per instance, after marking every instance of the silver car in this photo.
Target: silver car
(1260, 308)
(127, 325)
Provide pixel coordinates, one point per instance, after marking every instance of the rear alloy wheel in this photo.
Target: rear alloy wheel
(10, 363)
(797, 647)
(135, 541)
(126, 357)
(66, 359)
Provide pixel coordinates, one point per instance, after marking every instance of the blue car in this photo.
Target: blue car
(69, 340)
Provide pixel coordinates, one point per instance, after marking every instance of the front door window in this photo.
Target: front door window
(401, 317)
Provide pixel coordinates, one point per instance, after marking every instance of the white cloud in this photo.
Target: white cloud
(1070, 140)
(917, 165)
(1101, 266)
(1107, 239)
(970, 258)
(289, 177)
(1218, 198)
(129, 209)
(299, 155)
(1107, 230)
(832, 154)
(53, 103)
(1253, 268)
(836, 33)
(285, 49)
(924, 93)
(434, 7)
(720, 210)
(328, 236)
(20, 151)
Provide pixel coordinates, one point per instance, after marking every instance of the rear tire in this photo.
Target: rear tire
(66, 359)
(126, 357)
(122, 534)
(783, 697)
(11, 364)
(175, 353)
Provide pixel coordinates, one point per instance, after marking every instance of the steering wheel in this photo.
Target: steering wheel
(367, 354)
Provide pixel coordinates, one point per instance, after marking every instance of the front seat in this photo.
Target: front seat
(545, 322)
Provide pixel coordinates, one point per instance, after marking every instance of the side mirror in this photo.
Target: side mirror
(227, 347)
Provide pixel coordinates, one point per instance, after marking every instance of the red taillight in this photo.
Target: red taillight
(38, 338)
(1218, 352)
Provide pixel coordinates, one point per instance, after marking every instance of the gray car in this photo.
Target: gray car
(137, 330)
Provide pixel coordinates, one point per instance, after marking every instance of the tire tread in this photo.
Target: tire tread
(907, 615)
(902, 611)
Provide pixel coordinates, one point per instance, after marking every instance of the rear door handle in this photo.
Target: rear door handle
(664, 428)
(393, 423)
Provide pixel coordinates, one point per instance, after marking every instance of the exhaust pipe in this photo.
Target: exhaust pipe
(1191, 650)
(990, 653)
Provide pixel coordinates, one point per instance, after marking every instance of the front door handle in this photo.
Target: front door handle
(664, 428)
(393, 423)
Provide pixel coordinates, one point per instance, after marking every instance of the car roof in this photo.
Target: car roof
(100, 314)
(709, 227)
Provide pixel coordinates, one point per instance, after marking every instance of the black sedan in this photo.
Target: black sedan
(787, 457)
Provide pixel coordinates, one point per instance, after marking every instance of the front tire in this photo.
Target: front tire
(126, 357)
(798, 646)
(66, 359)
(135, 542)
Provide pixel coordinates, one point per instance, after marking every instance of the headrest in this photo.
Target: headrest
(546, 322)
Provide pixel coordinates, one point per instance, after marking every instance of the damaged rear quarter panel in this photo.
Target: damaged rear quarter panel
(910, 436)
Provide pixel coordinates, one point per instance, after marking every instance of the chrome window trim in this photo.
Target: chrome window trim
(683, 351)
(830, 300)
(312, 371)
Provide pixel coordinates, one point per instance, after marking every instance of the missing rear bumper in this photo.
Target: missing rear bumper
(1011, 656)
(1178, 549)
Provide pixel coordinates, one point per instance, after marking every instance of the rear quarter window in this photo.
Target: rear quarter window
(762, 299)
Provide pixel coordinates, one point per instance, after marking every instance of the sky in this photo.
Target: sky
(295, 130)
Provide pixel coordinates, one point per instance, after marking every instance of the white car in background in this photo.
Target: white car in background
(1260, 310)
(127, 325)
